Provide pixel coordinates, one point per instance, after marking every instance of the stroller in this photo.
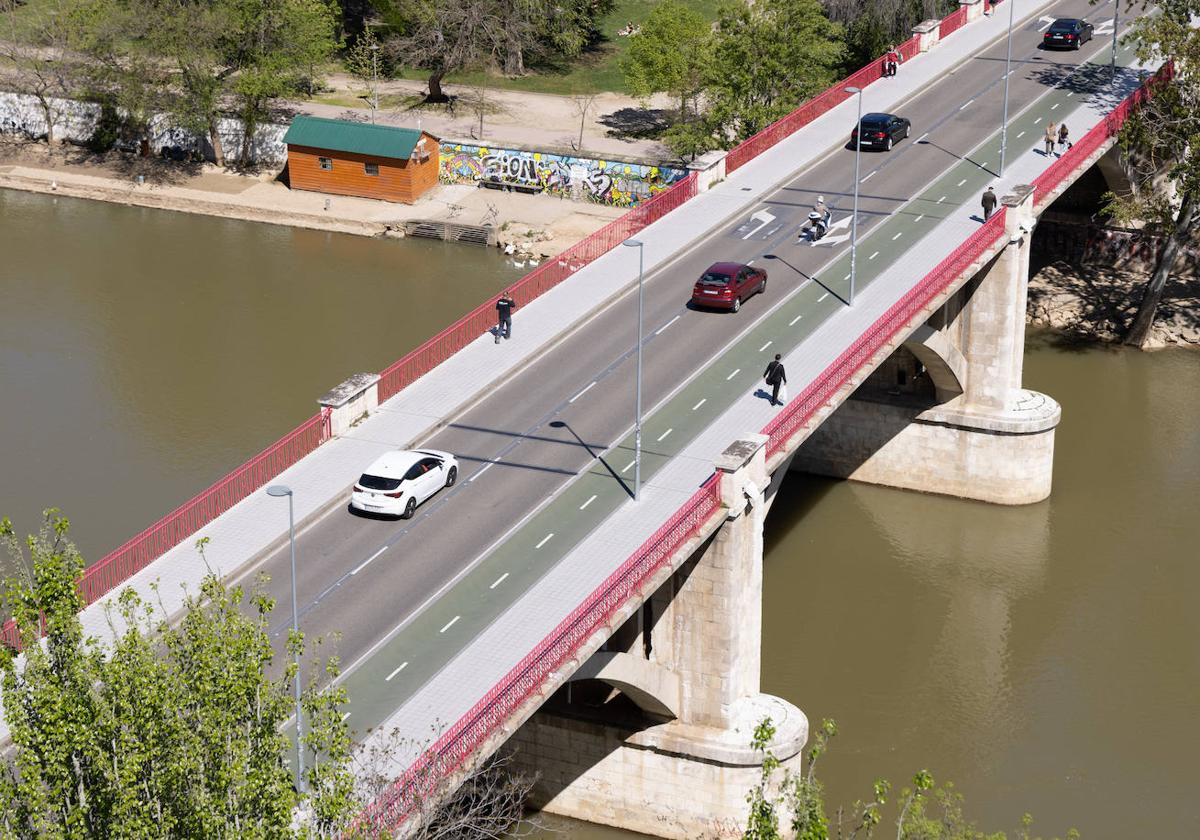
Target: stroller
(816, 226)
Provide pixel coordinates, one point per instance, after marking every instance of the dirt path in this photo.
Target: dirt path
(614, 124)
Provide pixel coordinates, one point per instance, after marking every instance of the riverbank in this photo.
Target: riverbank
(1096, 303)
(547, 224)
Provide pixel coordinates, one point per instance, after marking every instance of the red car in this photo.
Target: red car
(725, 285)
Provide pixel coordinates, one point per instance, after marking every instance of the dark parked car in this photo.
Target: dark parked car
(1069, 33)
(725, 285)
(881, 131)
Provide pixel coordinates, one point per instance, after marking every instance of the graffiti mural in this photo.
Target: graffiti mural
(617, 183)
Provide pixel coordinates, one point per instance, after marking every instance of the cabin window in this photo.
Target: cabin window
(371, 168)
(326, 163)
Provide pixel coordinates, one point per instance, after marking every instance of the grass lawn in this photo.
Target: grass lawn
(16, 23)
(596, 71)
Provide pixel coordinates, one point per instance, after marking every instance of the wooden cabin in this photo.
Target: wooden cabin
(370, 161)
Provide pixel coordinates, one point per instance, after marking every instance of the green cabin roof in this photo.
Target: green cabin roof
(359, 138)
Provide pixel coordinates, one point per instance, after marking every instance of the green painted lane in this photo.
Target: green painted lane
(396, 669)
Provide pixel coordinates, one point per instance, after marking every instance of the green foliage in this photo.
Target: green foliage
(767, 59)
(167, 730)
(670, 54)
(927, 812)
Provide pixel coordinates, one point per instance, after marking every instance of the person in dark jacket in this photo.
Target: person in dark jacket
(504, 310)
(989, 203)
(775, 376)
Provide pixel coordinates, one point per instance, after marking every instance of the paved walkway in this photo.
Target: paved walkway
(321, 481)
(674, 474)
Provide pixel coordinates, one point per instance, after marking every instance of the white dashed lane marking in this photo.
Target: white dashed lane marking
(500, 579)
(664, 326)
(1022, 134)
(364, 563)
(868, 178)
(873, 256)
(450, 624)
(702, 402)
(627, 466)
(663, 436)
(765, 346)
(735, 373)
(545, 540)
(584, 391)
(482, 471)
(588, 502)
(388, 678)
(792, 323)
(822, 297)
(897, 236)
(940, 200)
(963, 181)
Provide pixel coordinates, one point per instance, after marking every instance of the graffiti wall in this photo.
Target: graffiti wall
(589, 179)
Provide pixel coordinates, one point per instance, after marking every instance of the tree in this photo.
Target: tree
(670, 54)
(168, 731)
(873, 25)
(41, 60)
(926, 811)
(1162, 139)
(767, 59)
(363, 63)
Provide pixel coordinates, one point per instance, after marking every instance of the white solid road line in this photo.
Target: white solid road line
(792, 323)
(500, 579)
(765, 346)
(545, 540)
(897, 236)
(873, 256)
(450, 624)
(364, 563)
(588, 502)
(735, 373)
(664, 435)
(702, 402)
(822, 297)
(870, 175)
(388, 678)
(669, 323)
(584, 391)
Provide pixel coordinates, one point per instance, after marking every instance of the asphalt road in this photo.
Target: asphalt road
(546, 457)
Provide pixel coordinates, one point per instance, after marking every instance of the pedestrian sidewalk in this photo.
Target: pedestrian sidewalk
(321, 481)
(483, 664)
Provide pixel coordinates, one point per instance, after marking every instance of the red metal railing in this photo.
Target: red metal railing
(140, 551)
(526, 680)
(952, 22)
(754, 146)
(821, 390)
(1099, 135)
(537, 282)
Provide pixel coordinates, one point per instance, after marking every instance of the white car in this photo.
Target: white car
(399, 481)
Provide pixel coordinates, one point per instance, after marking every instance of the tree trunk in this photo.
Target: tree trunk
(1140, 329)
(435, 87)
(214, 140)
(48, 114)
(514, 60)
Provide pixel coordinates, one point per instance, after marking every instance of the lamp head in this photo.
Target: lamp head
(279, 490)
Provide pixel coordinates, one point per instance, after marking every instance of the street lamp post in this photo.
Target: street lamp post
(283, 490)
(1116, 21)
(637, 417)
(1007, 73)
(854, 218)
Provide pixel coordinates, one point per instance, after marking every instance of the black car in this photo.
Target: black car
(880, 131)
(1068, 33)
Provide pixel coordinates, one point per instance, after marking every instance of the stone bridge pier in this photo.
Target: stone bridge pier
(653, 733)
(947, 413)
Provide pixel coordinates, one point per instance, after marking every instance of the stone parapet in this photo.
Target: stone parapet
(351, 401)
(927, 33)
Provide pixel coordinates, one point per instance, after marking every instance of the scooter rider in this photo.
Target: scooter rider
(818, 219)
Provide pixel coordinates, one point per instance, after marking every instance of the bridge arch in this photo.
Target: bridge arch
(652, 687)
(942, 360)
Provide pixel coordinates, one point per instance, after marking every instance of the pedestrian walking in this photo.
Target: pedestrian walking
(989, 203)
(1050, 138)
(1064, 139)
(504, 310)
(776, 377)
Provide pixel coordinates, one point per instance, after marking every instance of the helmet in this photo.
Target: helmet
(814, 215)
(820, 199)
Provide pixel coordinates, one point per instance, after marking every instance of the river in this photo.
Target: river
(145, 353)
(1044, 658)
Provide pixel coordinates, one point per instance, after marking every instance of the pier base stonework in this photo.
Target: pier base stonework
(604, 752)
(994, 440)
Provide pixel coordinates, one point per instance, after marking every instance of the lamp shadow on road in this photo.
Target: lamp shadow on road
(523, 436)
(811, 277)
(957, 156)
(596, 455)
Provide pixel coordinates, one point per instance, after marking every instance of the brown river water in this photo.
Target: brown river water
(1044, 658)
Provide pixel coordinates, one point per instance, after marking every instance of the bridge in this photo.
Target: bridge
(615, 641)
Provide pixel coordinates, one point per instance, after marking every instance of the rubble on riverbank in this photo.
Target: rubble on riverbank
(1096, 303)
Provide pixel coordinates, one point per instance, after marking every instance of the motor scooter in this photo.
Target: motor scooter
(816, 226)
